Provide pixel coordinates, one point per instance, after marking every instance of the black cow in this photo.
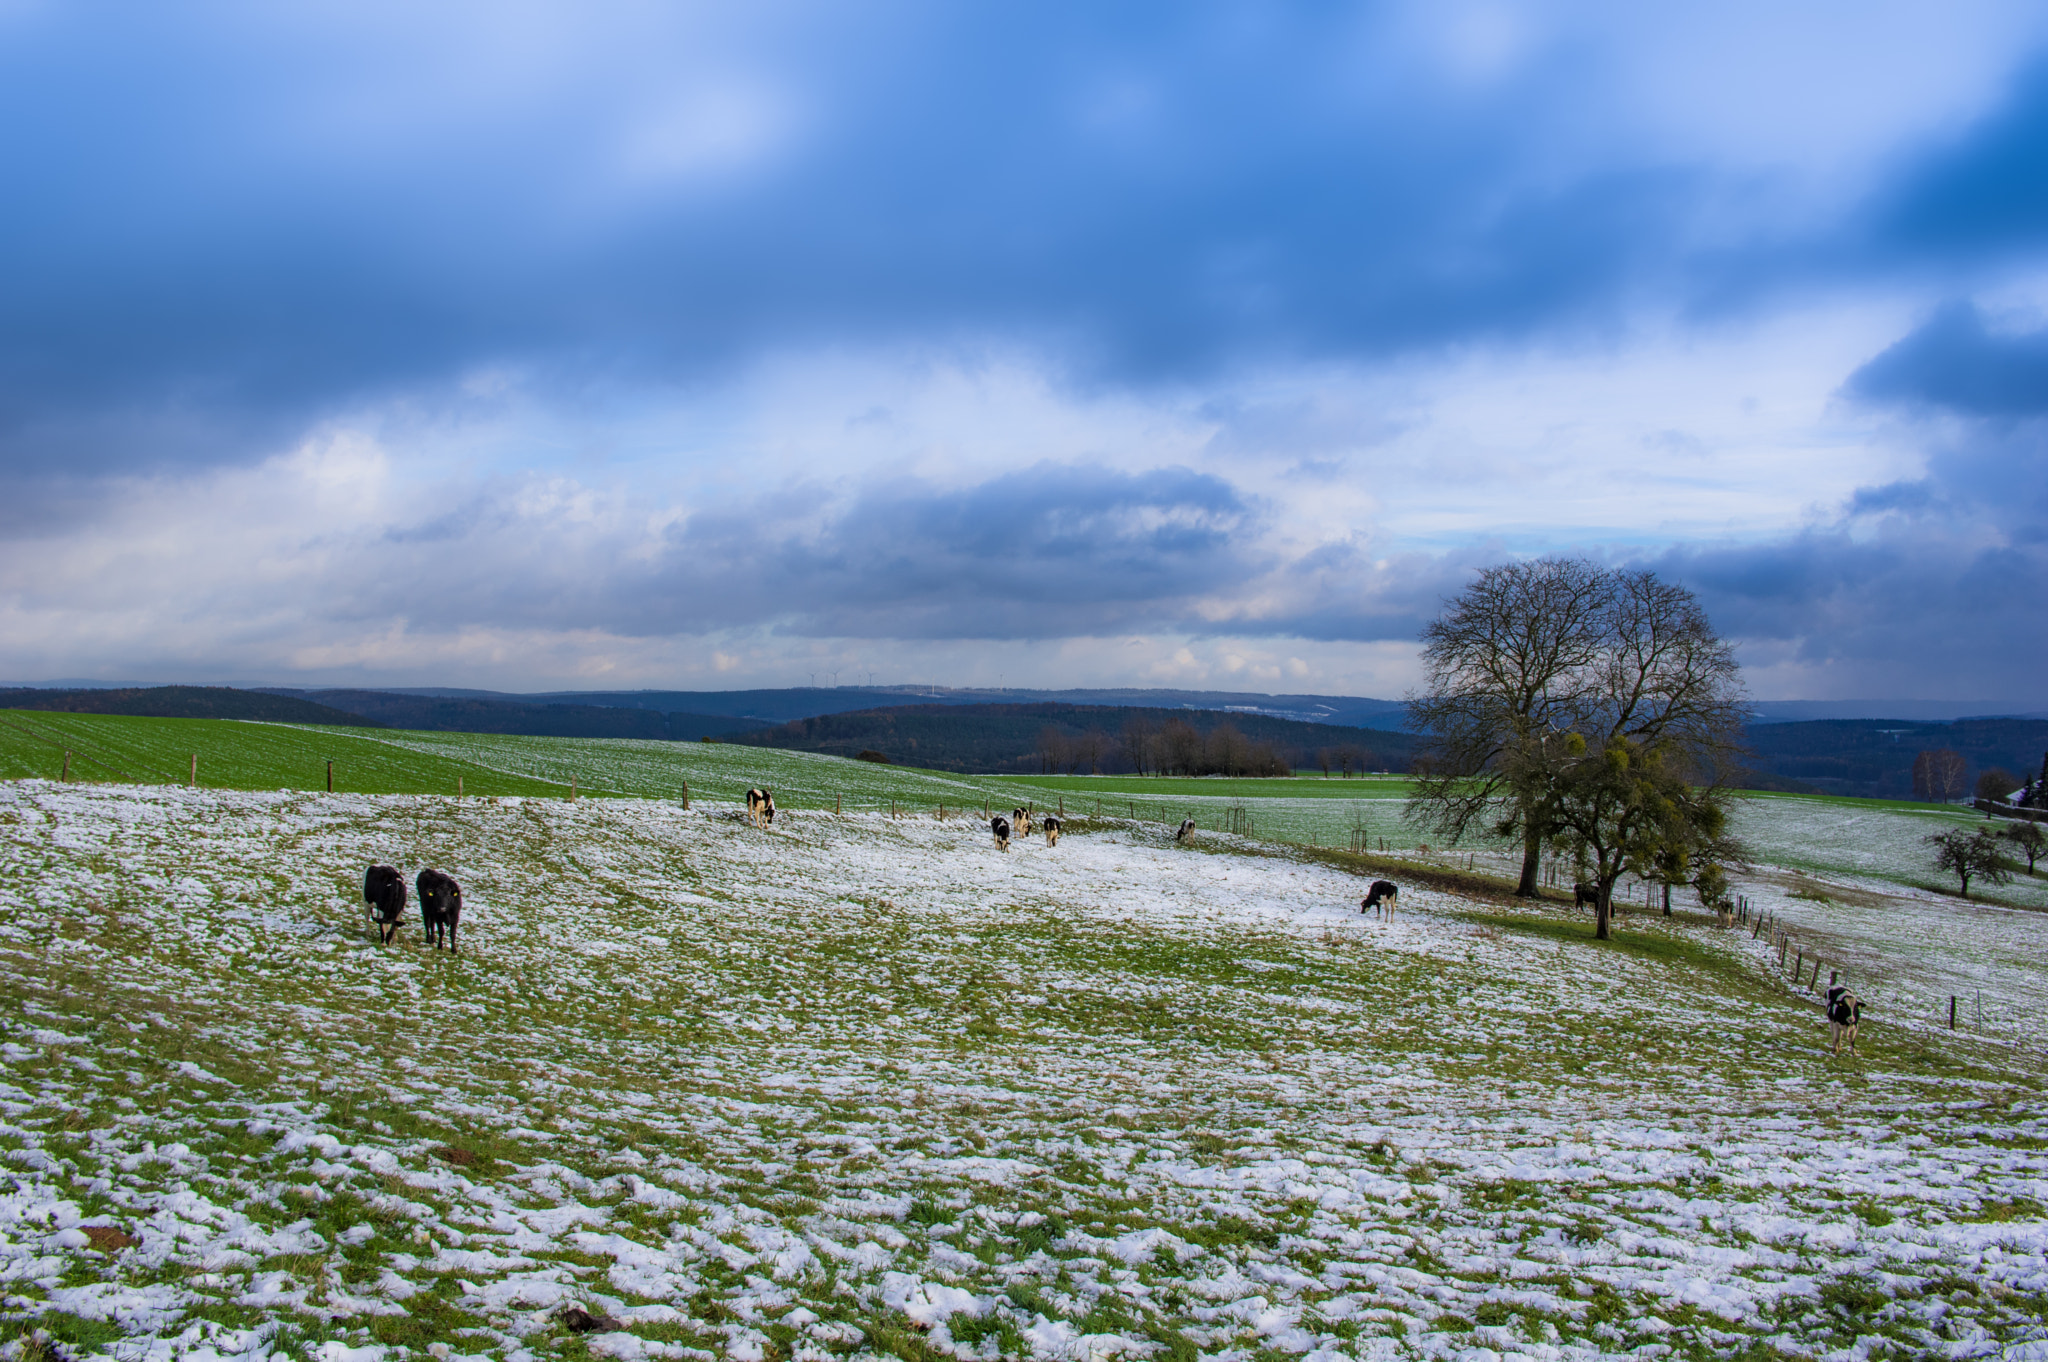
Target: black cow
(1381, 895)
(384, 892)
(1186, 832)
(760, 808)
(1000, 826)
(440, 905)
(1585, 896)
(1051, 823)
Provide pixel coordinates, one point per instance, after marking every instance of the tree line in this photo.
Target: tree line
(1176, 747)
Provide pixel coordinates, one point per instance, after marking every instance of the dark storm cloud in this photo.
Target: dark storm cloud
(1051, 551)
(1954, 362)
(1043, 552)
(1982, 195)
(221, 227)
(235, 228)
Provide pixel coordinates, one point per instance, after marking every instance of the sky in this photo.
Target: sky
(686, 346)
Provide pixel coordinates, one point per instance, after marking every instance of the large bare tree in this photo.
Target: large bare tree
(1510, 665)
(1642, 786)
(1546, 676)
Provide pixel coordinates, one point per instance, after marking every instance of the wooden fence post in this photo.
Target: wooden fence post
(686, 796)
(835, 806)
(193, 779)
(330, 778)
(458, 787)
(67, 763)
(572, 785)
(1951, 1011)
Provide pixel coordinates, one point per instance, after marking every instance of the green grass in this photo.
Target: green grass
(1857, 802)
(237, 756)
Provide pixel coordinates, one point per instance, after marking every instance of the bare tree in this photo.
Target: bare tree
(1052, 750)
(1323, 759)
(2027, 837)
(1970, 856)
(1180, 746)
(1997, 783)
(1137, 742)
(1938, 774)
(1226, 751)
(1509, 663)
(1090, 748)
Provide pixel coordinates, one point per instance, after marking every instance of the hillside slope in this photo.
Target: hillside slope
(1006, 738)
(187, 702)
(865, 1087)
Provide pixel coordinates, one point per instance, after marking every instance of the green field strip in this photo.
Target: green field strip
(235, 755)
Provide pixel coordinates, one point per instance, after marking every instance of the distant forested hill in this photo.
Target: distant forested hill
(185, 702)
(1873, 758)
(1037, 738)
(466, 714)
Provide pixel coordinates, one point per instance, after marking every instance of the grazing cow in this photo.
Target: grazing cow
(1186, 832)
(1051, 824)
(1020, 822)
(1381, 897)
(760, 808)
(440, 905)
(1845, 1014)
(384, 892)
(1000, 826)
(1585, 896)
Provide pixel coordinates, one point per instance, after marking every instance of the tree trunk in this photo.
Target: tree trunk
(1667, 899)
(1532, 862)
(1603, 912)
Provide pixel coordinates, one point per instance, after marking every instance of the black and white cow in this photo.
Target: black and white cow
(1000, 826)
(384, 892)
(1020, 822)
(1382, 897)
(1051, 824)
(1845, 1014)
(760, 808)
(1186, 831)
(440, 905)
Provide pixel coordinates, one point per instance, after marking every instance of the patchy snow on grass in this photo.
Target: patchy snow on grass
(864, 1086)
(1868, 843)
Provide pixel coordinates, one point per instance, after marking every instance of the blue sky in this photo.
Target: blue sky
(1213, 345)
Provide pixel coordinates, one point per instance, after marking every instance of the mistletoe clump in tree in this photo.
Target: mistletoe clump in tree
(1589, 709)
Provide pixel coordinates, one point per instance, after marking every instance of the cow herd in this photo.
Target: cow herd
(1018, 824)
(441, 897)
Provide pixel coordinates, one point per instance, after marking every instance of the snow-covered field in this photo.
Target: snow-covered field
(864, 1086)
(1867, 842)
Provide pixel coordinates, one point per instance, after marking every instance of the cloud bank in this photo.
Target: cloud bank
(366, 343)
